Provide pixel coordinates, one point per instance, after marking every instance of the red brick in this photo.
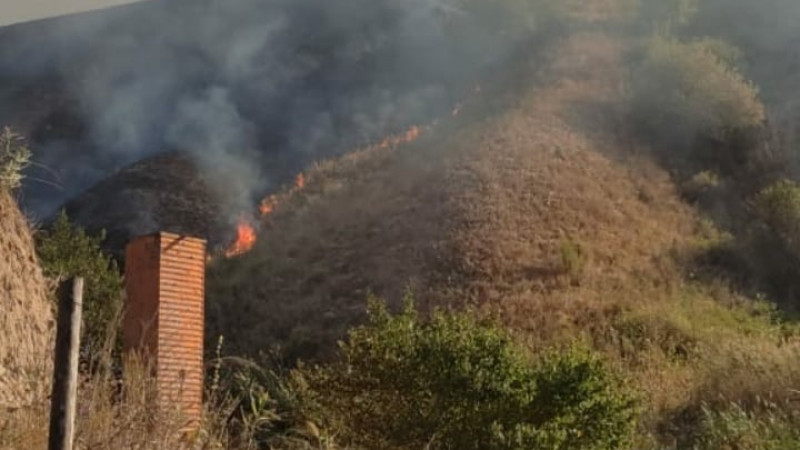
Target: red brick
(165, 284)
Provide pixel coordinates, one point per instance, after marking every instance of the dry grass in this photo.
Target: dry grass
(111, 414)
(117, 408)
(26, 320)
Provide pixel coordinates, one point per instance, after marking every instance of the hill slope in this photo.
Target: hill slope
(480, 211)
(534, 205)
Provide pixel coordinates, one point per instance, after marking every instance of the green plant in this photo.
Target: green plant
(67, 251)
(456, 382)
(778, 205)
(701, 183)
(14, 157)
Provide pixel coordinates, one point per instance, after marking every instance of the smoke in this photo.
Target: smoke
(238, 84)
(767, 32)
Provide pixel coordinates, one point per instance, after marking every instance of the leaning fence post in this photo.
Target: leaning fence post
(65, 372)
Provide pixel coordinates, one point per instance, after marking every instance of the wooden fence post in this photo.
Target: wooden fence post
(65, 372)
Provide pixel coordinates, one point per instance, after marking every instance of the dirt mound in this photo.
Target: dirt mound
(26, 322)
(526, 215)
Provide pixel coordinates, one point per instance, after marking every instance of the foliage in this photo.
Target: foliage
(66, 251)
(700, 183)
(456, 382)
(737, 428)
(14, 157)
(261, 407)
(683, 91)
(778, 205)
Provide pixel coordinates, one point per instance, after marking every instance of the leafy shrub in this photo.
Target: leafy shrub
(261, 408)
(688, 91)
(455, 382)
(66, 251)
(14, 157)
(778, 205)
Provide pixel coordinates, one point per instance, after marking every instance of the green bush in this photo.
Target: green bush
(66, 251)
(14, 156)
(778, 205)
(455, 382)
(685, 91)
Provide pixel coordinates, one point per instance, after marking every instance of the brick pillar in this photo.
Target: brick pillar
(165, 286)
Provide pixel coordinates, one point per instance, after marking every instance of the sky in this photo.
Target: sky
(15, 11)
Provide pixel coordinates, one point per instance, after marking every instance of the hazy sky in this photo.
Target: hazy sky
(13, 11)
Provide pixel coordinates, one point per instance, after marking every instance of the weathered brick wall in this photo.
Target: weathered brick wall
(165, 283)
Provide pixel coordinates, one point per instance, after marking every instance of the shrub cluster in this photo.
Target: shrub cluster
(455, 382)
(778, 205)
(14, 157)
(67, 251)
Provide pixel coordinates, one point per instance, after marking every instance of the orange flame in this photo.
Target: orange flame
(409, 135)
(412, 134)
(246, 234)
(245, 239)
(268, 204)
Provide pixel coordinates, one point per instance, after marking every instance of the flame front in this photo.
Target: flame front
(396, 140)
(245, 239)
(246, 234)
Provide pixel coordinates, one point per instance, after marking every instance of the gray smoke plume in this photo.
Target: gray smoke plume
(237, 84)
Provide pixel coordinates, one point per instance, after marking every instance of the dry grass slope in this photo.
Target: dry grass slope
(26, 322)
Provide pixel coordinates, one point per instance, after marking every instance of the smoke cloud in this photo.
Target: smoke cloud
(236, 84)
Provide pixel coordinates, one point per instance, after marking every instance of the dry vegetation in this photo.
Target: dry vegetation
(26, 318)
(550, 216)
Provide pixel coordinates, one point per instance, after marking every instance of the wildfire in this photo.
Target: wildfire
(245, 239)
(410, 135)
(268, 205)
(246, 234)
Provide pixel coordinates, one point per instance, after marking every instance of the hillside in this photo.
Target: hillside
(26, 323)
(164, 192)
(535, 204)
(476, 211)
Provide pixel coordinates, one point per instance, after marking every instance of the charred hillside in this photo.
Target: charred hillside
(165, 192)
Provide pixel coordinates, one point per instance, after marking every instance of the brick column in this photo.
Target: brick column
(164, 315)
